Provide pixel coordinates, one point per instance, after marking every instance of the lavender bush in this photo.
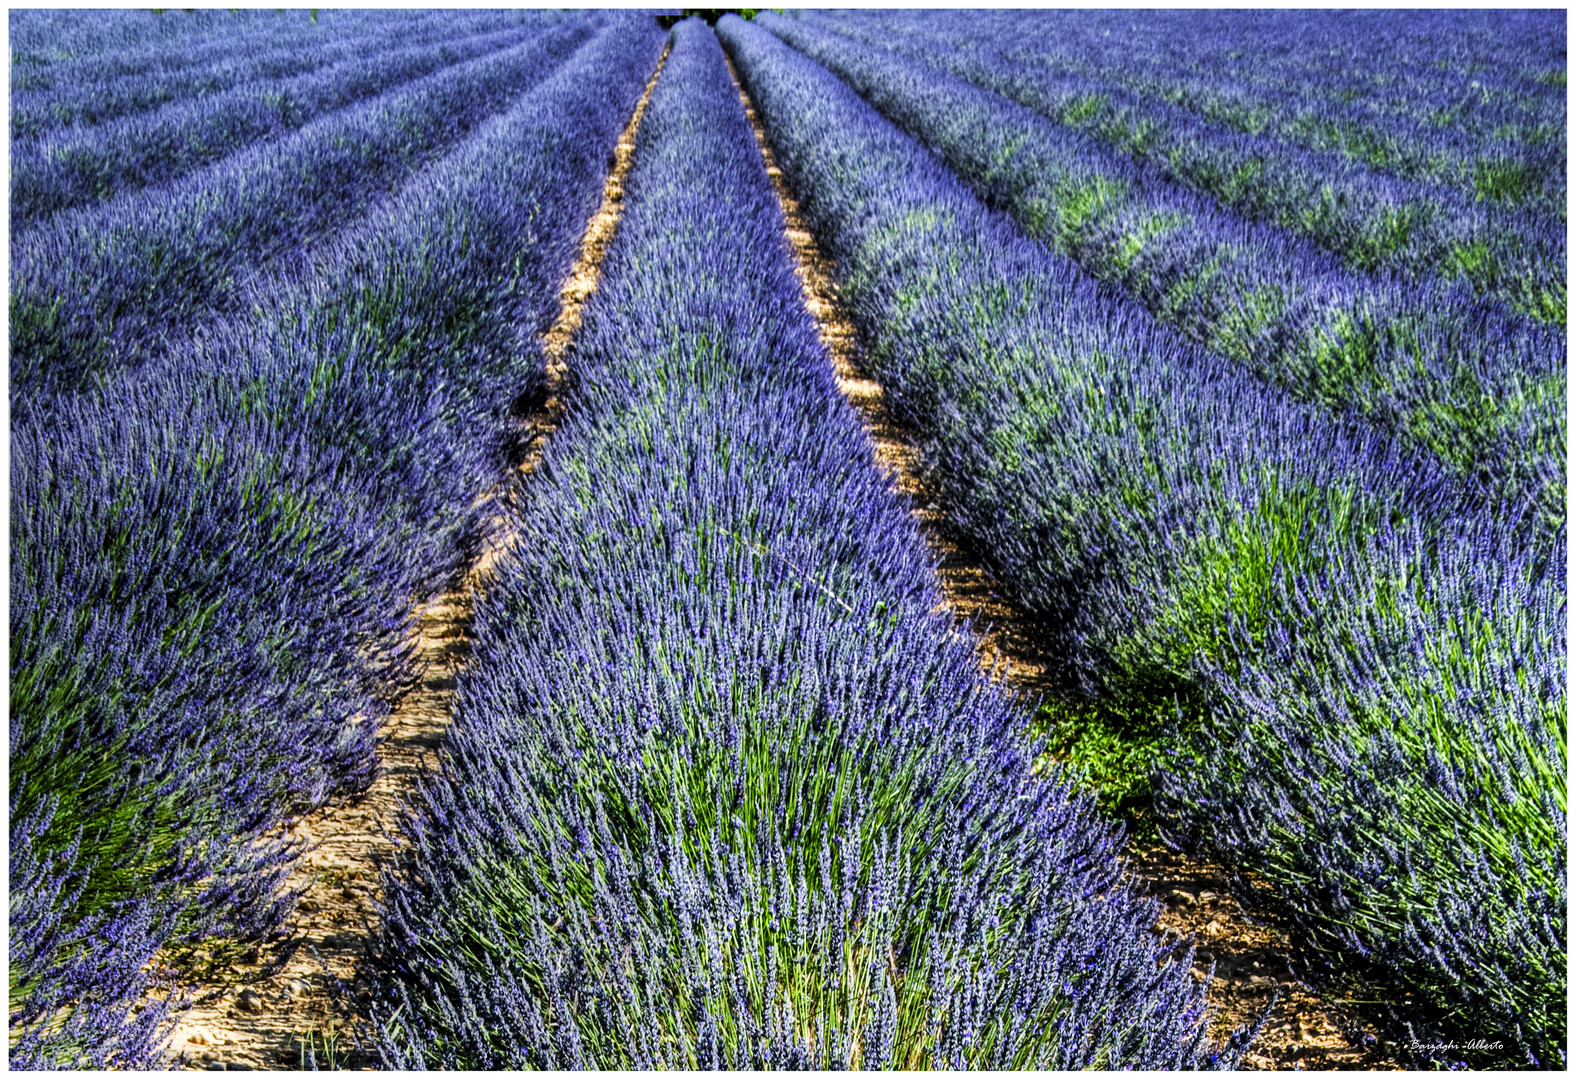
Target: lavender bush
(722, 789)
(1407, 793)
(76, 166)
(1192, 536)
(1371, 219)
(1481, 388)
(214, 559)
(97, 289)
(94, 97)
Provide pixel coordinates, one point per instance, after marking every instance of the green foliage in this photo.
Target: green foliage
(1150, 226)
(1231, 578)
(1547, 304)
(1241, 183)
(1151, 696)
(1035, 216)
(1474, 261)
(1079, 204)
(1112, 753)
(1503, 180)
(1241, 326)
(1389, 230)
(1186, 293)
(1354, 141)
(1343, 355)
(710, 15)
(1084, 109)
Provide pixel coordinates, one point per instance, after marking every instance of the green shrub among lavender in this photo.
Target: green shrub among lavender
(722, 789)
(1195, 537)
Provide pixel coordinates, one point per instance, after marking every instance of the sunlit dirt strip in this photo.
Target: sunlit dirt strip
(272, 1008)
(1253, 958)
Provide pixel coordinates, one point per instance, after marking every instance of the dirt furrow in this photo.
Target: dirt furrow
(285, 1006)
(1254, 955)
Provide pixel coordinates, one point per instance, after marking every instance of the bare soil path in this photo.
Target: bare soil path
(1254, 955)
(290, 1005)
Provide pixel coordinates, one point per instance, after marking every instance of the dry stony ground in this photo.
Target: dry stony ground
(293, 1003)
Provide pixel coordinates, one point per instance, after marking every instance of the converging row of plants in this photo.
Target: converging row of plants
(105, 87)
(1476, 384)
(69, 166)
(722, 790)
(215, 557)
(1285, 630)
(1465, 99)
(108, 286)
(1240, 364)
(50, 49)
(1367, 215)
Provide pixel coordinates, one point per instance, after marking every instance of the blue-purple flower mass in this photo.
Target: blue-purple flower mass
(718, 773)
(1477, 382)
(215, 554)
(69, 165)
(1232, 343)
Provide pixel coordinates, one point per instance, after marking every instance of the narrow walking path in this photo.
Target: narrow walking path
(286, 1006)
(1254, 957)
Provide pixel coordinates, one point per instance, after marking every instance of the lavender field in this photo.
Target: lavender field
(1229, 346)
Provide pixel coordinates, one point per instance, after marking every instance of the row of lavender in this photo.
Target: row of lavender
(101, 288)
(1372, 219)
(82, 164)
(215, 556)
(1478, 386)
(1342, 681)
(722, 789)
(50, 47)
(1472, 100)
(102, 90)
(1475, 101)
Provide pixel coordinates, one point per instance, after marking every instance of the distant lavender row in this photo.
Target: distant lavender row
(1203, 546)
(1480, 388)
(1392, 108)
(722, 789)
(1419, 51)
(1400, 117)
(1506, 155)
(68, 109)
(214, 562)
(57, 48)
(195, 69)
(101, 288)
(1498, 66)
(1419, 231)
(76, 166)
